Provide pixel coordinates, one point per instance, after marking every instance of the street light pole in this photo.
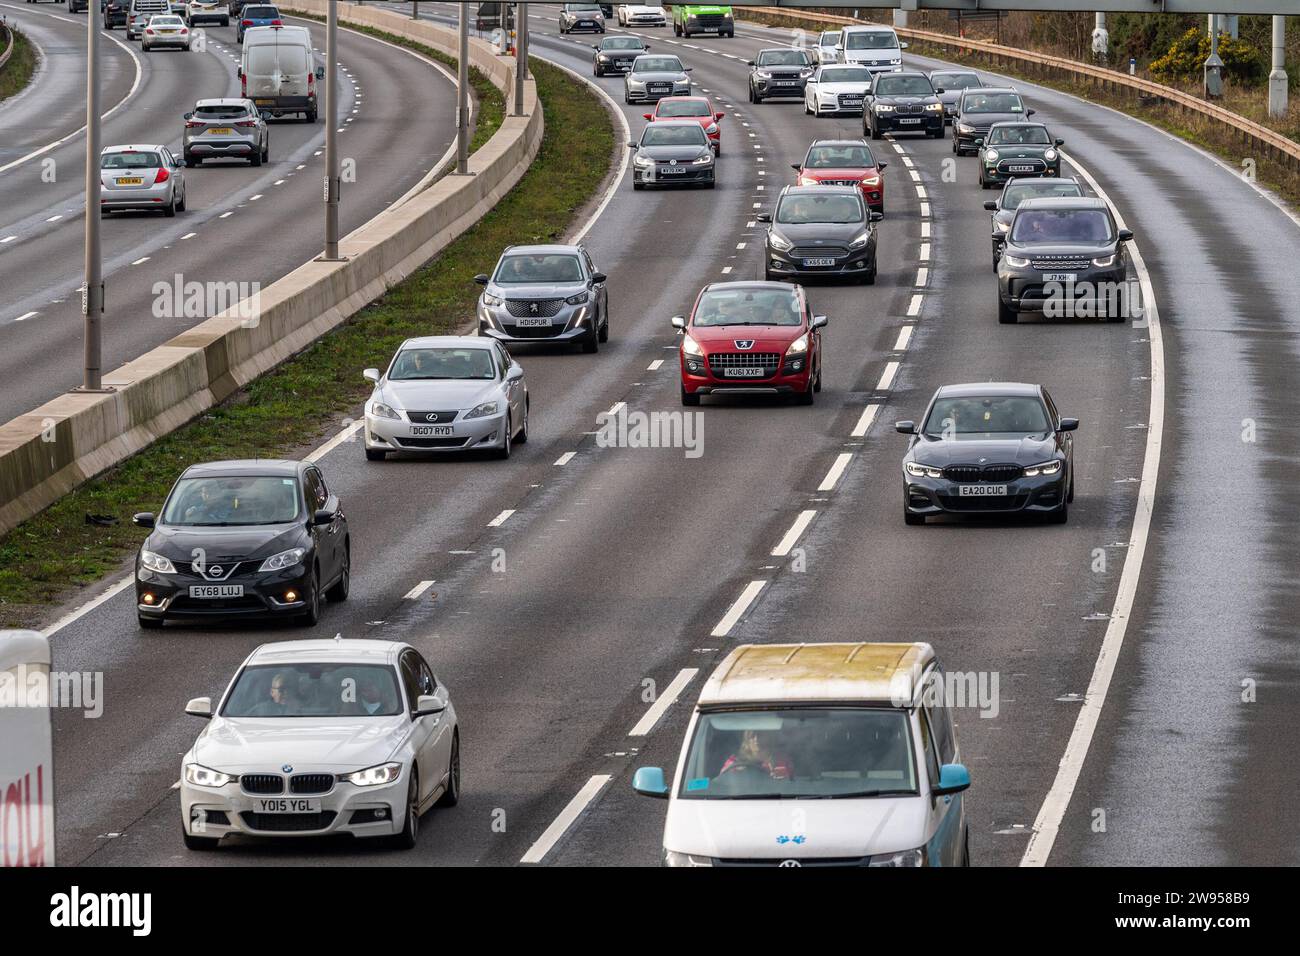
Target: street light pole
(331, 133)
(462, 95)
(1277, 82)
(93, 298)
(521, 55)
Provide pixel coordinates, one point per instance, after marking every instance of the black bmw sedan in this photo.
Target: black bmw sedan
(989, 447)
(243, 539)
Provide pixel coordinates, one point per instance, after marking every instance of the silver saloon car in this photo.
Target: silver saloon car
(141, 177)
(165, 30)
(230, 128)
(447, 393)
(322, 737)
(654, 76)
(549, 293)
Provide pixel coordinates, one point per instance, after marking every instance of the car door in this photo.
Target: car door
(422, 728)
(441, 728)
(176, 170)
(943, 815)
(1064, 440)
(513, 390)
(327, 535)
(598, 288)
(939, 718)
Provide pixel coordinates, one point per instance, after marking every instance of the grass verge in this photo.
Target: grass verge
(18, 69)
(57, 550)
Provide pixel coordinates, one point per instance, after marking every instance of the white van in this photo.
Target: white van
(875, 47)
(139, 14)
(279, 71)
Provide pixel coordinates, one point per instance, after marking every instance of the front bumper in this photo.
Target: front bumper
(931, 122)
(640, 92)
(835, 104)
(586, 26)
(1094, 291)
(571, 324)
(857, 262)
(934, 496)
(792, 86)
(1000, 172)
(264, 595)
(215, 812)
(966, 141)
(387, 434)
(698, 378)
(690, 175)
(612, 65)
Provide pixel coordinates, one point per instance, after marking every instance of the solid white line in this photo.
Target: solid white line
(791, 537)
(737, 609)
(887, 377)
(655, 365)
(560, 825)
(841, 462)
(663, 702)
(344, 435)
(868, 416)
(565, 458)
(904, 337)
(25, 316)
(914, 307)
(416, 591)
(501, 519)
(1048, 822)
(113, 591)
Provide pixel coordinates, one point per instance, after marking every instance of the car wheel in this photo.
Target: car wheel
(717, 149)
(875, 131)
(266, 151)
(190, 162)
(1007, 316)
(149, 623)
(406, 840)
(965, 850)
(339, 592)
(376, 454)
(180, 205)
(311, 115)
(870, 277)
(504, 451)
(808, 396)
(1061, 515)
(604, 330)
(689, 400)
(591, 343)
(451, 796)
(1069, 495)
(309, 617)
(256, 158)
(199, 843)
(225, 22)
(169, 210)
(807, 111)
(636, 185)
(817, 386)
(911, 519)
(522, 437)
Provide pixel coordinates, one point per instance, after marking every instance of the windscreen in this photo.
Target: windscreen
(442, 363)
(656, 135)
(806, 208)
(130, 161)
(954, 81)
(871, 40)
(544, 268)
(992, 103)
(673, 108)
(657, 64)
(845, 74)
(1017, 192)
(783, 58)
(1018, 136)
(621, 43)
(840, 157)
(985, 417)
(314, 690)
(904, 86)
(233, 500)
(1061, 225)
(748, 307)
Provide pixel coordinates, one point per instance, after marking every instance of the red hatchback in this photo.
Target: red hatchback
(696, 108)
(751, 338)
(844, 162)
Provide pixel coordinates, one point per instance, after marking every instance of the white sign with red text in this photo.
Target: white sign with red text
(26, 751)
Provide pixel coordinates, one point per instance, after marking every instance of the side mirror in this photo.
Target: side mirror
(631, 145)
(902, 46)
(649, 782)
(688, 69)
(991, 205)
(144, 519)
(648, 116)
(371, 375)
(189, 115)
(595, 46)
(515, 373)
(1125, 235)
(939, 91)
(818, 322)
(430, 704)
(200, 707)
(239, 72)
(905, 428)
(322, 517)
(1030, 112)
(882, 165)
(1059, 142)
(678, 322)
(749, 63)
(979, 143)
(599, 277)
(877, 216)
(481, 279)
(953, 778)
(1068, 425)
(763, 217)
(719, 117)
(796, 167)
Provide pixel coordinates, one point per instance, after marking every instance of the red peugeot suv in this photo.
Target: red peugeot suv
(751, 338)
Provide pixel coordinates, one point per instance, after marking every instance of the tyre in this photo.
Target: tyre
(451, 796)
(522, 437)
(911, 519)
(717, 149)
(256, 158)
(604, 331)
(1007, 316)
(169, 210)
(190, 161)
(808, 396)
(199, 843)
(406, 839)
(266, 151)
(339, 590)
(591, 343)
(149, 623)
(311, 115)
(870, 277)
(504, 451)
(965, 850)
(1069, 495)
(225, 21)
(1061, 515)
(309, 617)
(636, 185)
(875, 132)
(689, 400)
(817, 385)
(712, 183)
(376, 454)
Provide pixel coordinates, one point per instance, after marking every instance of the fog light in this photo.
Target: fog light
(147, 598)
(380, 813)
(290, 596)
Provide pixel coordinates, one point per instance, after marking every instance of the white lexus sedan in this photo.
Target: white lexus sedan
(835, 89)
(447, 393)
(321, 737)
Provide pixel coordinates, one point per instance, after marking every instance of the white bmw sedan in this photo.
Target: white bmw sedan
(321, 737)
(447, 393)
(836, 89)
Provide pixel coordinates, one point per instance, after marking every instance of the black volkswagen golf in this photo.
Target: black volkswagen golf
(243, 538)
(989, 447)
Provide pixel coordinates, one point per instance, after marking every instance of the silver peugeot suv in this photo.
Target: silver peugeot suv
(546, 293)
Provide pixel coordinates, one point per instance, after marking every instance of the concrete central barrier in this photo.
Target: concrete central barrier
(53, 449)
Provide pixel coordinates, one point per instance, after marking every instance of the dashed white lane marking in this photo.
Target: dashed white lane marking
(565, 458)
(925, 210)
(920, 192)
(914, 307)
(255, 198)
(925, 230)
(616, 408)
(560, 825)
(501, 519)
(189, 235)
(904, 336)
(833, 476)
(898, 149)
(25, 316)
(141, 260)
(791, 538)
(922, 274)
(55, 218)
(925, 252)
(887, 377)
(416, 591)
(663, 702)
(226, 215)
(726, 270)
(864, 423)
(278, 182)
(738, 608)
(916, 177)
(907, 161)
(655, 365)
(7, 239)
(740, 245)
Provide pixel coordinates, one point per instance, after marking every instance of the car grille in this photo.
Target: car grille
(1037, 165)
(228, 571)
(287, 822)
(990, 473)
(311, 783)
(839, 182)
(535, 331)
(1051, 264)
(184, 604)
(262, 783)
(432, 442)
(909, 109)
(719, 362)
(779, 860)
(848, 100)
(523, 308)
(710, 21)
(957, 503)
(442, 418)
(818, 252)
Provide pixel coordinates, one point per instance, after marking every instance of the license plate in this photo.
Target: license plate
(437, 431)
(130, 181)
(910, 120)
(167, 32)
(851, 100)
(221, 131)
(756, 371)
(981, 491)
(786, 83)
(1020, 169)
(585, 23)
(671, 170)
(660, 89)
(1060, 276)
(215, 592)
(541, 322)
(287, 805)
(808, 263)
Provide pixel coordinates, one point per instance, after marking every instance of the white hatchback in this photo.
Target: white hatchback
(322, 737)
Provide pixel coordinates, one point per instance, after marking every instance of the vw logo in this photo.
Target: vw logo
(744, 343)
(789, 863)
(431, 417)
(287, 767)
(214, 570)
(672, 162)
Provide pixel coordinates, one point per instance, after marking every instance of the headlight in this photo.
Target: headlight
(672, 858)
(883, 108)
(201, 776)
(374, 776)
(779, 242)
(922, 471)
(896, 61)
(644, 162)
(1046, 468)
(711, 128)
(156, 562)
(1016, 261)
(934, 107)
(492, 300)
(804, 74)
(763, 74)
(578, 299)
(482, 410)
(1049, 155)
(703, 159)
(1104, 261)
(798, 346)
(965, 128)
(991, 155)
(285, 559)
(1001, 226)
(380, 410)
(871, 181)
(690, 346)
(902, 858)
(860, 240)
(602, 58)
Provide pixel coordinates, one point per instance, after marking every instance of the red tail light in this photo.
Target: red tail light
(162, 175)
(193, 124)
(148, 31)
(246, 23)
(277, 23)
(184, 30)
(246, 123)
(243, 86)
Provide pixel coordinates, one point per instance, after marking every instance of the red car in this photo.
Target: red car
(844, 162)
(751, 338)
(696, 108)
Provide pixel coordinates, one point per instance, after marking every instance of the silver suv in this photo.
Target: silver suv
(230, 128)
(547, 293)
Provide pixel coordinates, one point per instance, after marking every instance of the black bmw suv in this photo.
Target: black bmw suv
(243, 539)
(902, 102)
(1065, 258)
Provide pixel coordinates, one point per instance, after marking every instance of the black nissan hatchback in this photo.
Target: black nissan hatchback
(243, 539)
